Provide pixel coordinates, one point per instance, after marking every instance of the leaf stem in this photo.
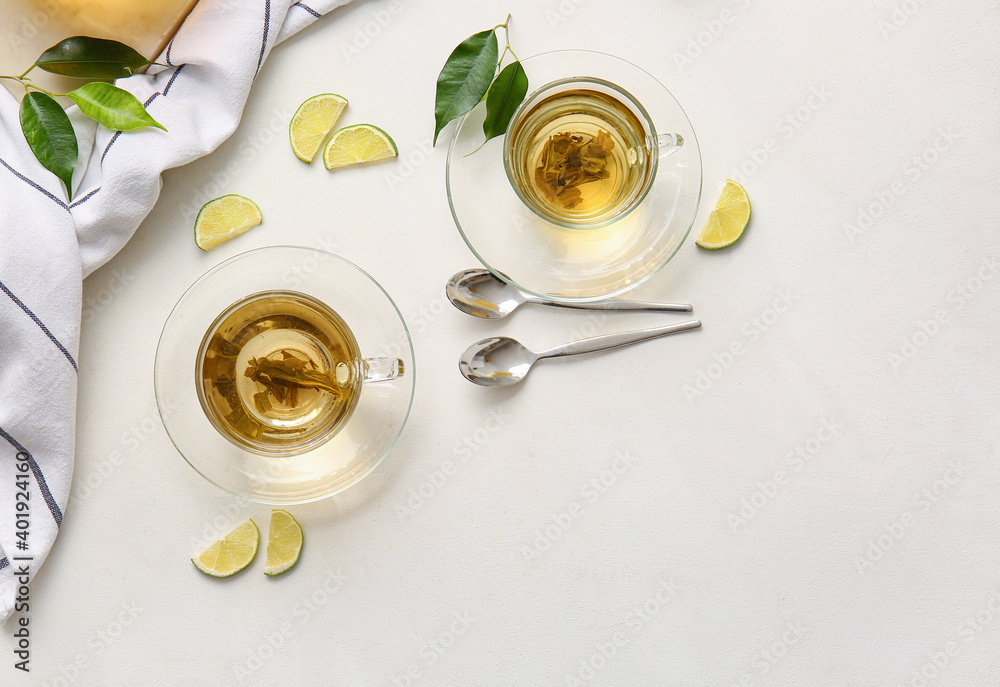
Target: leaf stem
(27, 70)
(507, 48)
(506, 35)
(26, 84)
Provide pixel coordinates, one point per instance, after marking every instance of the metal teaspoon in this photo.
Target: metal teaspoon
(502, 361)
(478, 292)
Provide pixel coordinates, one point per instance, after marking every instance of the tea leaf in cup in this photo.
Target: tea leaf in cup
(287, 374)
(570, 160)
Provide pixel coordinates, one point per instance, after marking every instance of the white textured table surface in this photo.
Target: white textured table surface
(817, 508)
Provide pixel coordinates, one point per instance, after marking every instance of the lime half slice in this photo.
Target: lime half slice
(284, 543)
(356, 144)
(230, 554)
(311, 123)
(728, 220)
(223, 218)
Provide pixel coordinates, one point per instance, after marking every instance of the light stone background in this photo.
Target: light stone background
(819, 509)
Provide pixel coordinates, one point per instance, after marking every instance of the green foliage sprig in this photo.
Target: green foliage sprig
(45, 125)
(471, 73)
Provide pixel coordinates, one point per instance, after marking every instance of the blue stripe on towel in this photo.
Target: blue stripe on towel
(170, 81)
(34, 185)
(39, 478)
(166, 89)
(267, 26)
(40, 324)
(170, 46)
(83, 200)
(308, 9)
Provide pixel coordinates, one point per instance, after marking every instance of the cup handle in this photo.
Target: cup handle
(381, 369)
(668, 144)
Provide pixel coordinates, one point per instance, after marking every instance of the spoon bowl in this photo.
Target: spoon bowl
(498, 361)
(479, 293)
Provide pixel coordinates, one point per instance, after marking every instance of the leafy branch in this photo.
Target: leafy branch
(45, 124)
(472, 73)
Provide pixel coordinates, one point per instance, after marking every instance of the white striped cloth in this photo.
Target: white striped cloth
(48, 244)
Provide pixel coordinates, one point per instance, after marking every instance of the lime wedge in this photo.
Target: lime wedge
(230, 554)
(729, 218)
(223, 218)
(353, 145)
(284, 543)
(312, 122)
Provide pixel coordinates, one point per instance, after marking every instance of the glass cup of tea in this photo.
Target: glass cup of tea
(284, 375)
(582, 152)
(593, 188)
(281, 372)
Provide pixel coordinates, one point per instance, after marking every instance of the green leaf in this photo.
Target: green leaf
(50, 135)
(465, 78)
(83, 57)
(506, 93)
(113, 107)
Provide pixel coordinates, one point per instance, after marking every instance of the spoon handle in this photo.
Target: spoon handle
(601, 343)
(620, 304)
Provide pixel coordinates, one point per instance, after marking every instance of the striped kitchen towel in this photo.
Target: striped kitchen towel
(49, 243)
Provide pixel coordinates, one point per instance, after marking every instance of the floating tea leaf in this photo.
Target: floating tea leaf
(283, 379)
(271, 368)
(570, 160)
(262, 402)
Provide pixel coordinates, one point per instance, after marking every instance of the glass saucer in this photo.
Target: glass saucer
(330, 467)
(574, 264)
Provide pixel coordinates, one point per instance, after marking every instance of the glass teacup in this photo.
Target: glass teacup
(261, 382)
(280, 372)
(582, 152)
(605, 244)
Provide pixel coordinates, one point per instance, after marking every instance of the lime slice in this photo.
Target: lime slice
(729, 218)
(223, 218)
(356, 144)
(284, 543)
(230, 554)
(312, 122)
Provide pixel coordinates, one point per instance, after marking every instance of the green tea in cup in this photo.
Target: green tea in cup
(278, 370)
(582, 152)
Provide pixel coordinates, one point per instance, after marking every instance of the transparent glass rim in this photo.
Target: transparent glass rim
(246, 444)
(654, 159)
(167, 422)
(558, 297)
